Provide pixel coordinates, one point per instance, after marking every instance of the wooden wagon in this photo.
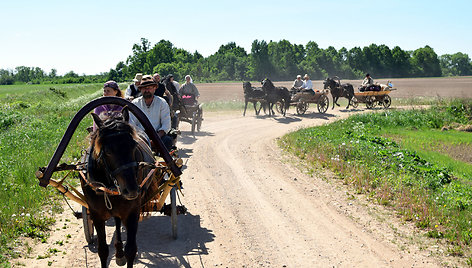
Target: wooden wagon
(372, 99)
(301, 101)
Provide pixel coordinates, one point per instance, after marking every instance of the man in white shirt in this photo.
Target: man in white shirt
(155, 108)
(307, 84)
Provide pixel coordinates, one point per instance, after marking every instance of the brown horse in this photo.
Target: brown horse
(339, 90)
(118, 160)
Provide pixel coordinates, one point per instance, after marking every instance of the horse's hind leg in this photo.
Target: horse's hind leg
(120, 254)
(102, 242)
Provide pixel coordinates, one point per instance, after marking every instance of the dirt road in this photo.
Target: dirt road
(249, 206)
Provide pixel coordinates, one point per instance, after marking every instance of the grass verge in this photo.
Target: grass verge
(401, 159)
(32, 122)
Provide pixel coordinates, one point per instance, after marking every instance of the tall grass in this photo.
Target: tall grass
(32, 122)
(386, 156)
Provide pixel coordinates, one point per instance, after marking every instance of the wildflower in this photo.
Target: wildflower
(436, 226)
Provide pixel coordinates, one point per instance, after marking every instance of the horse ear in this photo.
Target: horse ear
(97, 120)
(125, 113)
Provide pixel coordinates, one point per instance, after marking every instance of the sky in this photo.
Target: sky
(92, 36)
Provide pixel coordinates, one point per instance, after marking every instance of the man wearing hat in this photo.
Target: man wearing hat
(132, 91)
(155, 108)
(298, 83)
(307, 84)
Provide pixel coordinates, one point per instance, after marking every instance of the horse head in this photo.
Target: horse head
(329, 83)
(115, 156)
(267, 85)
(247, 87)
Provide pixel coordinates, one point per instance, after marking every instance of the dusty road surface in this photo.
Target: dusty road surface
(249, 206)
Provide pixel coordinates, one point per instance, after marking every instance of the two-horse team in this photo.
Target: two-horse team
(268, 95)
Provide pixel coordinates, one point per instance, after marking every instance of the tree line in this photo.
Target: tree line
(280, 60)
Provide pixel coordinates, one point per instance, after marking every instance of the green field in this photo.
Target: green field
(403, 160)
(33, 119)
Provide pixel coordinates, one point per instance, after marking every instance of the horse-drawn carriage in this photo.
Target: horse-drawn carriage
(190, 111)
(372, 99)
(302, 99)
(122, 176)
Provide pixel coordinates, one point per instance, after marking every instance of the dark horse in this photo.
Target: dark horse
(274, 95)
(254, 95)
(118, 160)
(339, 90)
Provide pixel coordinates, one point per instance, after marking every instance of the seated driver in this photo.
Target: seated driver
(155, 108)
(189, 89)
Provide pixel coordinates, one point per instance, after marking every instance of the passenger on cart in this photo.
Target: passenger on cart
(368, 84)
(297, 84)
(307, 85)
(132, 91)
(189, 92)
(156, 109)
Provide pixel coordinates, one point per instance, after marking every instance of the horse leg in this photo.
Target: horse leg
(131, 230)
(119, 254)
(245, 106)
(254, 103)
(337, 104)
(348, 102)
(101, 238)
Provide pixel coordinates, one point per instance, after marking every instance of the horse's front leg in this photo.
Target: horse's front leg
(131, 230)
(101, 238)
(119, 253)
(245, 107)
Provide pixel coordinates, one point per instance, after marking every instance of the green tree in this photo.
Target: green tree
(425, 62)
(260, 65)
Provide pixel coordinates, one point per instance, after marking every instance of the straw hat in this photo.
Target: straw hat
(138, 77)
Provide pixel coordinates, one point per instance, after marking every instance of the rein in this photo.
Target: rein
(99, 186)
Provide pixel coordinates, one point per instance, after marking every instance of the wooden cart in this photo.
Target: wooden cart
(302, 100)
(372, 99)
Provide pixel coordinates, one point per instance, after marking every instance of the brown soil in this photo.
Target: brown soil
(251, 205)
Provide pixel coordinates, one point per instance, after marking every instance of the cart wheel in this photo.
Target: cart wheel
(302, 107)
(323, 104)
(173, 215)
(88, 225)
(200, 119)
(370, 102)
(280, 107)
(194, 123)
(355, 102)
(387, 101)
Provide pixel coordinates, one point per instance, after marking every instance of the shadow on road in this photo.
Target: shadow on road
(157, 248)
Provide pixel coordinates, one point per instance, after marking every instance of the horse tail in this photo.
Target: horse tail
(286, 97)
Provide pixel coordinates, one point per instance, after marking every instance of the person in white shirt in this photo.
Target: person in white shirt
(307, 84)
(155, 108)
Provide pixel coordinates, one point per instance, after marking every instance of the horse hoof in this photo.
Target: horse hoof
(121, 261)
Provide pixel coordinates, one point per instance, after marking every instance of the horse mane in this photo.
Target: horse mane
(113, 124)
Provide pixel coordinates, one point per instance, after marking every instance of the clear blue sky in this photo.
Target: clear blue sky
(89, 37)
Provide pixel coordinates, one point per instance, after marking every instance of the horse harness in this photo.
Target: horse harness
(99, 187)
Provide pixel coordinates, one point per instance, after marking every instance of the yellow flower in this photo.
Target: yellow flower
(436, 226)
